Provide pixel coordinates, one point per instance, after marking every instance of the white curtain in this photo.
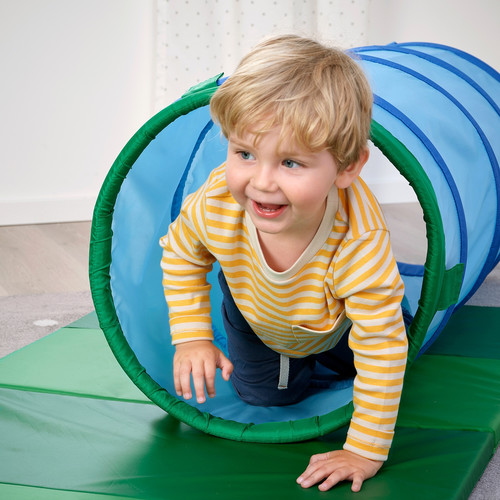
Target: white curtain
(197, 39)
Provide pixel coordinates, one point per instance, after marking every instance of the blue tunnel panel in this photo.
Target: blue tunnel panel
(446, 203)
(440, 103)
(141, 217)
(480, 72)
(463, 102)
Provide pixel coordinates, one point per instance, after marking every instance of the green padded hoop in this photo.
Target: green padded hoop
(100, 262)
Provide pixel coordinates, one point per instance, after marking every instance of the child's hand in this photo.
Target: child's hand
(336, 466)
(201, 359)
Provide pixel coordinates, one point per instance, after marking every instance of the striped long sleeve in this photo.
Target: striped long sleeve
(347, 275)
(367, 278)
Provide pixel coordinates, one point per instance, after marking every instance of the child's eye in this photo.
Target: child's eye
(245, 155)
(291, 164)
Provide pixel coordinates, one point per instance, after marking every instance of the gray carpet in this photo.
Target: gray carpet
(26, 318)
(29, 317)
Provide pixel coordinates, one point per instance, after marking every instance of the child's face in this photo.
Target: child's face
(282, 186)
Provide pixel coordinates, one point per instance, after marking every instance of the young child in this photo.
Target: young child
(308, 273)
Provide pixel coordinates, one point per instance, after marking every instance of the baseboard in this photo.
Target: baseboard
(46, 210)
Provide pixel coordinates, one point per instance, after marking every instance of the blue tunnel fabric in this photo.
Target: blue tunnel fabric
(453, 133)
(436, 119)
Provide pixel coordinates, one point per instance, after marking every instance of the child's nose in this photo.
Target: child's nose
(263, 178)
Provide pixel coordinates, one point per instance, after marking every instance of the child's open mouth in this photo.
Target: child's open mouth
(268, 210)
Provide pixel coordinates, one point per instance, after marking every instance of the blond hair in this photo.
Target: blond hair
(319, 95)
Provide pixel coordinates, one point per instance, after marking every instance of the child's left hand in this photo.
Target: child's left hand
(336, 466)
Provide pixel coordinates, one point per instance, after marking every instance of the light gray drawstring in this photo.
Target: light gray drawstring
(284, 372)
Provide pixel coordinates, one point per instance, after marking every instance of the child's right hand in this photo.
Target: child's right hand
(199, 358)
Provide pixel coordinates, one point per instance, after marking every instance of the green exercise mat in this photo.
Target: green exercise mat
(74, 427)
(69, 361)
(473, 332)
(134, 450)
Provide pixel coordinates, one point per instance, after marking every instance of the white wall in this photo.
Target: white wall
(77, 82)
(465, 25)
(472, 26)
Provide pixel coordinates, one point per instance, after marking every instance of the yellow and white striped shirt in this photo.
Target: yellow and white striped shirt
(347, 274)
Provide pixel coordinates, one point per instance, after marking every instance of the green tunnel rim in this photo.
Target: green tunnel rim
(99, 275)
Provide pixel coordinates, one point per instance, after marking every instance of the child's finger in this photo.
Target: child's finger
(185, 381)
(343, 474)
(313, 475)
(226, 366)
(177, 381)
(210, 378)
(357, 482)
(333, 479)
(199, 383)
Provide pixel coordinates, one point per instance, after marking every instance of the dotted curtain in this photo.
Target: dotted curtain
(198, 39)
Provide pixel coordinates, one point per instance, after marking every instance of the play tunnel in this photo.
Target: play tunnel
(436, 119)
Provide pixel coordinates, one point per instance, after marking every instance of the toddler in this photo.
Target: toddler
(307, 271)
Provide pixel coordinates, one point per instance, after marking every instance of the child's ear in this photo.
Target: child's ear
(347, 176)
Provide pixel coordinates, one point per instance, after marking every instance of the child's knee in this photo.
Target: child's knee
(269, 391)
(269, 397)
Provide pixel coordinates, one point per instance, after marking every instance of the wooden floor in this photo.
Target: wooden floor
(45, 258)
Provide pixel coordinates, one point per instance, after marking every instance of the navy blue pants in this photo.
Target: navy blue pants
(258, 369)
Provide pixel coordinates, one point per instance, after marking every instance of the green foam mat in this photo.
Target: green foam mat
(448, 392)
(472, 331)
(133, 450)
(14, 492)
(74, 426)
(69, 361)
(88, 321)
